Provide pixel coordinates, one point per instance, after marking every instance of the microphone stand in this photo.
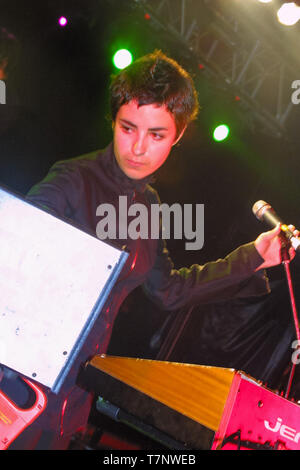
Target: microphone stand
(286, 263)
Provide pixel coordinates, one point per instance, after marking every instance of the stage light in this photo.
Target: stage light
(288, 14)
(62, 21)
(265, 1)
(221, 132)
(122, 58)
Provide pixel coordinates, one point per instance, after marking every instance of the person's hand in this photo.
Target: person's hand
(269, 246)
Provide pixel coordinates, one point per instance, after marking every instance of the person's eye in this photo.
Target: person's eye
(157, 136)
(126, 129)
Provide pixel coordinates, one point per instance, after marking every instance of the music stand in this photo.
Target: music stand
(54, 281)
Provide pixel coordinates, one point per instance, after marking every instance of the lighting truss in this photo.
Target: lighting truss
(240, 51)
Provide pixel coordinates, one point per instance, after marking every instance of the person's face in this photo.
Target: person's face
(143, 138)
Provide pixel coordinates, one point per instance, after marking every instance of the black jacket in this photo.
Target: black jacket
(73, 190)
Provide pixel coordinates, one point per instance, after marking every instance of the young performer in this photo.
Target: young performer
(152, 102)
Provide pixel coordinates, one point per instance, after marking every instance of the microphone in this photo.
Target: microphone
(265, 213)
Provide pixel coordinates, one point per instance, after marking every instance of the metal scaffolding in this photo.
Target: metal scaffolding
(240, 48)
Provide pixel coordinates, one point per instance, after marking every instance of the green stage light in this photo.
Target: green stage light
(221, 132)
(122, 58)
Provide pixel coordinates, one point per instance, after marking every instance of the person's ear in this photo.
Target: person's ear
(179, 137)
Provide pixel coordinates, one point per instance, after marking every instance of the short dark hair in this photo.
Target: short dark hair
(156, 78)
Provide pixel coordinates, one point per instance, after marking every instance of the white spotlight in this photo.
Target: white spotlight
(288, 14)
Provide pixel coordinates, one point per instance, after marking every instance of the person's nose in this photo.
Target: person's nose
(140, 146)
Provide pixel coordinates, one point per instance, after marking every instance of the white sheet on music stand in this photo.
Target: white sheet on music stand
(51, 276)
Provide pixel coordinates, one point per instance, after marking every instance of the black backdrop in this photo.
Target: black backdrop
(57, 108)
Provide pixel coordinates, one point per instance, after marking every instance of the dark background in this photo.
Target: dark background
(58, 100)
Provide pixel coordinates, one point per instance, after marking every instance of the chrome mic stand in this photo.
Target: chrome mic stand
(286, 263)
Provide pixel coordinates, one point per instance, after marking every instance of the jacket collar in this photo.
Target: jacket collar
(114, 171)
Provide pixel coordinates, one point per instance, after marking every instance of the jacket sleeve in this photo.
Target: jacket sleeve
(224, 279)
(59, 192)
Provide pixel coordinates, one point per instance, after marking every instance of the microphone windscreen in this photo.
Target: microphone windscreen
(259, 207)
